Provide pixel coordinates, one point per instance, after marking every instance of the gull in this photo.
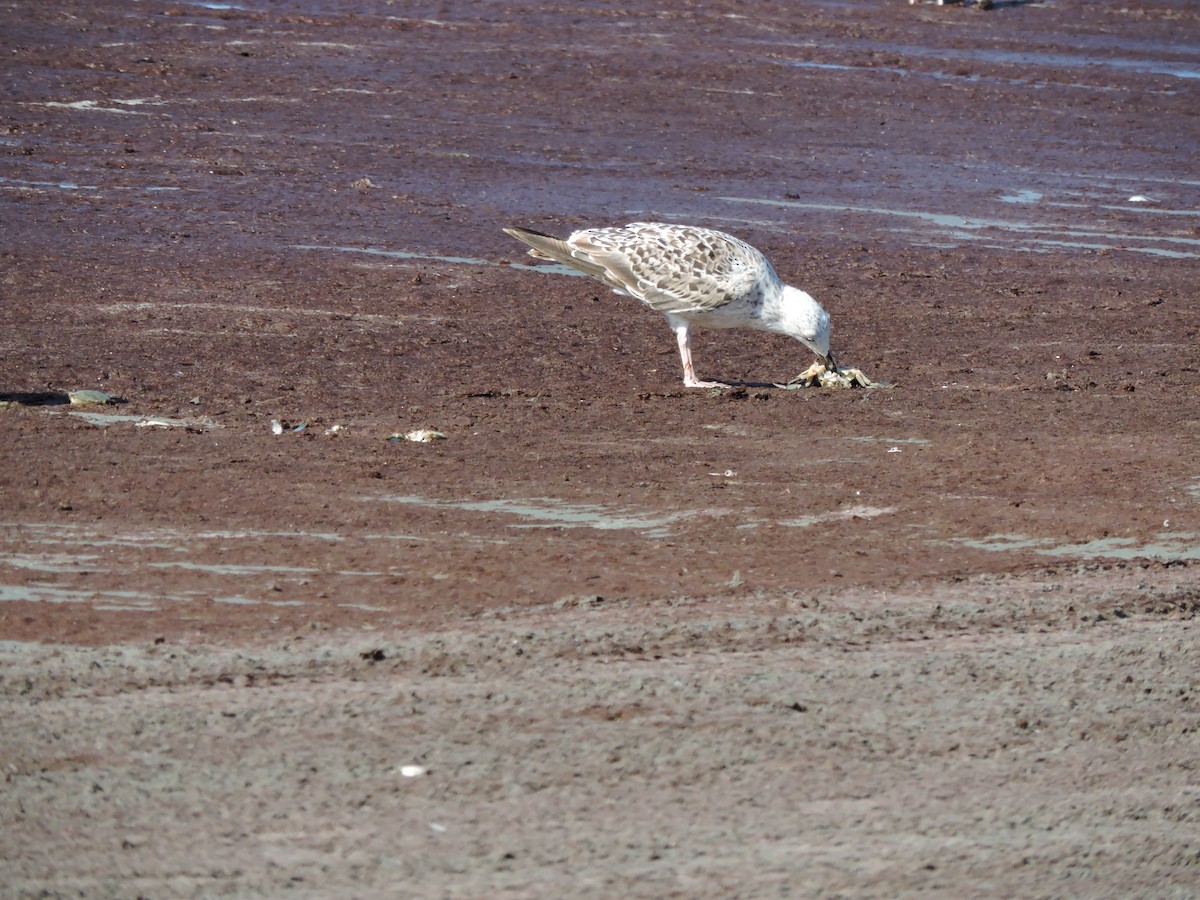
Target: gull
(696, 277)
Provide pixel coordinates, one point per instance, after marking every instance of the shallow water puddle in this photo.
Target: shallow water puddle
(1168, 545)
(546, 512)
(57, 185)
(105, 419)
(972, 228)
(395, 254)
(946, 76)
(49, 562)
(94, 106)
(121, 601)
(364, 607)
(240, 308)
(1060, 60)
(839, 515)
(1152, 210)
(1021, 60)
(230, 569)
(555, 268)
(1021, 196)
(160, 538)
(41, 592)
(869, 439)
(23, 183)
(56, 550)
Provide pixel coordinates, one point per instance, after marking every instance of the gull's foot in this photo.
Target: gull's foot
(705, 384)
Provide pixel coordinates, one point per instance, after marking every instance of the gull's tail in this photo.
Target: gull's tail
(548, 247)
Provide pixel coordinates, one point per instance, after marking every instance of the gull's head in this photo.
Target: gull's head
(804, 319)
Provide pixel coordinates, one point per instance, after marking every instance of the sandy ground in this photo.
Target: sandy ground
(636, 640)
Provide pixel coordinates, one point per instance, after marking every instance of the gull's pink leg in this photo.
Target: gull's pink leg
(683, 334)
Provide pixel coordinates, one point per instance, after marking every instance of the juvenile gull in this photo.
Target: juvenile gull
(696, 277)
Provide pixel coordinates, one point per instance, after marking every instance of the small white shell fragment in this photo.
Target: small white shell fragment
(420, 436)
(90, 398)
(412, 771)
(334, 429)
(276, 427)
(1139, 198)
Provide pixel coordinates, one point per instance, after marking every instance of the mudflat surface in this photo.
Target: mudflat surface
(638, 640)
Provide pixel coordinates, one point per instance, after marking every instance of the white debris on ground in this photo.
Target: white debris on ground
(420, 436)
(90, 398)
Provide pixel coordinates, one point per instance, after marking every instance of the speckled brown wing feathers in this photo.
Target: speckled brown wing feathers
(675, 268)
(672, 268)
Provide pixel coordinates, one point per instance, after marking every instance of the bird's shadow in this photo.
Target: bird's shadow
(752, 385)
(44, 398)
(36, 398)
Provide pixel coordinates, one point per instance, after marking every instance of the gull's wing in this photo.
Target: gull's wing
(676, 269)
